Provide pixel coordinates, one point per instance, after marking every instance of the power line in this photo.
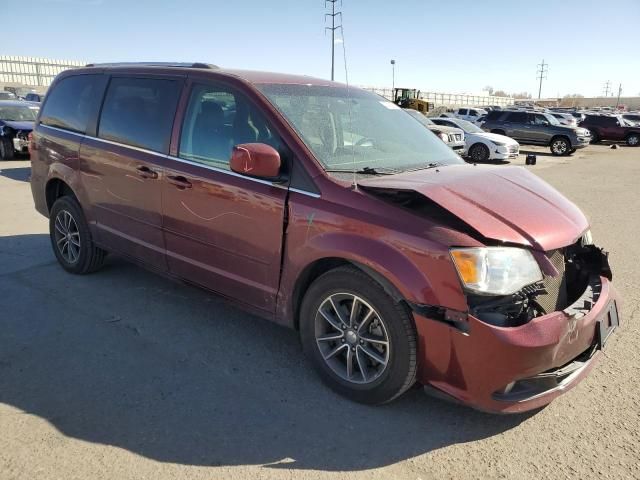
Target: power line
(333, 29)
(607, 87)
(543, 68)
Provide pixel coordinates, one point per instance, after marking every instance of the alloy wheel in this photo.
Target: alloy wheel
(67, 236)
(633, 140)
(352, 338)
(559, 147)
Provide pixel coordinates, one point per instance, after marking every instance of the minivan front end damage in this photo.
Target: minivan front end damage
(516, 353)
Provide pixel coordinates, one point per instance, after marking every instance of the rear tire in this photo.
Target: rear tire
(560, 146)
(479, 152)
(71, 239)
(359, 339)
(633, 139)
(6, 149)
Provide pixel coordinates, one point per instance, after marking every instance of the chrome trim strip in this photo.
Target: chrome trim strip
(222, 170)
(62, 130)
(118, 144)
(182, 160)
(304, 192)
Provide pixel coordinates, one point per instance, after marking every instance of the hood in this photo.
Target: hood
(445, 129)
(507, 204)
(494, 137)
(16, 125)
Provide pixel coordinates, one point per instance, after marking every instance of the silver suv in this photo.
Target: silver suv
(537, 128)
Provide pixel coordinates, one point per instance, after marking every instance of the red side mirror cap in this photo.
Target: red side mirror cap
(256, 160)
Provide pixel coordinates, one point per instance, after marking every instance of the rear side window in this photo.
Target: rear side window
(517, 117)
(462, 111)
(139, 112)
(494, 115)
(73, 102)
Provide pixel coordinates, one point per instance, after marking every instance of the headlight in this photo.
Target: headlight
(499, 144)
(495, 270)
(444, 137)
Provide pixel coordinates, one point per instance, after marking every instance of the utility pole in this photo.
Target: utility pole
(543, 68)
(619, 92)
(393, 77)
(607, 87)
(333, 29)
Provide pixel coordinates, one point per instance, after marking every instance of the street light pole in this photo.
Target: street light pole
(393, 78)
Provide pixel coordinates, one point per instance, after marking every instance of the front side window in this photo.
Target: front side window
(349, 128)
(139, 112)
(218, 118)
(73, 101)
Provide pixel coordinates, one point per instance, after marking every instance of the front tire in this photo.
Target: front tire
(479, 153)
(71, 239)
(359, 339)
(560, 146)
(633, 139)
(6, 149)
(595, 138)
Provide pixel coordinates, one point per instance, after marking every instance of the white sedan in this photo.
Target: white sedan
(481, 146)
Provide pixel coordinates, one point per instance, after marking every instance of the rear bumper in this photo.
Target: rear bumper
(510, 370)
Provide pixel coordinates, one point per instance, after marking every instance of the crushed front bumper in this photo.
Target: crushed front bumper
(515, 369)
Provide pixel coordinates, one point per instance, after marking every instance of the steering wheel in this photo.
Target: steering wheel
(363, 140)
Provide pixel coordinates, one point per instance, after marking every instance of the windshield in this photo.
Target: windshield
(468, 127)
(350, 129)
(19, 113)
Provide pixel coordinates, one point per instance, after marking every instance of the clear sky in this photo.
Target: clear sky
(452, 46)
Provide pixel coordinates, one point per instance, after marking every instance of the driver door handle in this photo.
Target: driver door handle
(179, 181)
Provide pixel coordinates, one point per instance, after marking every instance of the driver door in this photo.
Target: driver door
(223, 230)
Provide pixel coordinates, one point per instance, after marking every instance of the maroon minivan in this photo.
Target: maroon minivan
(330, 210)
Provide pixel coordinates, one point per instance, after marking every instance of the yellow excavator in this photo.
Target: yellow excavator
(410, 98)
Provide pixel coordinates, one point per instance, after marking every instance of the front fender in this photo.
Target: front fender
(420, 270)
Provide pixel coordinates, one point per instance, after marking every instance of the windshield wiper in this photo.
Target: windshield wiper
(427, 166)
(369, 171)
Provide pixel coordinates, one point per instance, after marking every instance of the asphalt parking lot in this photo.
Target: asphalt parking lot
(124, 374)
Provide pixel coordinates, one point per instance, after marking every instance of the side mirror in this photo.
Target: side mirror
(256, 160)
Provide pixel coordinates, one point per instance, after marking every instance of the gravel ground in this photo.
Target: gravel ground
(124, 374)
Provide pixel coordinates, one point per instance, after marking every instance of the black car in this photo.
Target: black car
(16, 122)
(537, 128)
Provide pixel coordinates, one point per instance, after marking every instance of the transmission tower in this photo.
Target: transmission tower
(543, 68)
(607, 87)
(332, 28)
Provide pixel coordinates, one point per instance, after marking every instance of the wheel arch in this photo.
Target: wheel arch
(56, 188)
(560, 136)
(323, 265)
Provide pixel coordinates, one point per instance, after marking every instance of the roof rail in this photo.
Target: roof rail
(156, 64)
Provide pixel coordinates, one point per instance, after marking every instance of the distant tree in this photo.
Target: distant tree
(522, 95)
(573, 95)
(500, 93)
(488, 89)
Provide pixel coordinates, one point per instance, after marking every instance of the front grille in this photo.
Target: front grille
(458, 137)
(555, 288)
